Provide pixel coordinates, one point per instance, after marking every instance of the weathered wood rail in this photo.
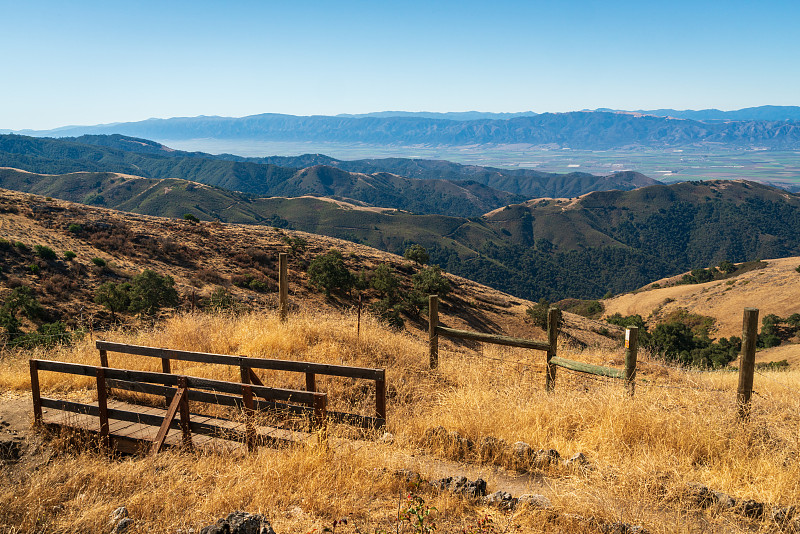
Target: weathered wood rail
(181, 389)
(550, 347)
(248, 375)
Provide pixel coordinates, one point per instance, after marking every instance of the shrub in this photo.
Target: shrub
(69, 255)
(44, 252)
(538, 313)
(221, 299)
(329, 273)
(385, 282)
(5, 244)
(150, 292)
(21, 246)
(431, 281)
(191, 218)
(115, 297)
(75, 228)
(417, 254)
(35, 269)
(100, 262)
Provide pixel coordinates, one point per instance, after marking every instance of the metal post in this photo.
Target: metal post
(283, 285)
(631, 348)
(553, 316)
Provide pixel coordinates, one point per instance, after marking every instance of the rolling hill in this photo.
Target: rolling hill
(447, 188)
(602, 242)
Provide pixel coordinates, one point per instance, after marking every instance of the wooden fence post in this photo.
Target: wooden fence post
(102, 405)
(36, 394)
(631, 348)
(747, 361)
(380, 398)
(283, 285)
(433, 337)
(249, 412)
(186, 428)
(553, 316)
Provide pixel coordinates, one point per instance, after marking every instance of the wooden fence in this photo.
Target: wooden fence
(247, 365)
(181, 389)
(550, 347)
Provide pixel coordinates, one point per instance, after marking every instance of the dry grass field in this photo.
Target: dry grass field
(680, 427)
(773, 289)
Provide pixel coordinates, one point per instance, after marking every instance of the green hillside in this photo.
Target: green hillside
(608, 241)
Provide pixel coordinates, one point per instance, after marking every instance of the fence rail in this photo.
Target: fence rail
(186, 389)
(247, 365)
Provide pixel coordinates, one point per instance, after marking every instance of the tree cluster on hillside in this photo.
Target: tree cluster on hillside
(145, 294)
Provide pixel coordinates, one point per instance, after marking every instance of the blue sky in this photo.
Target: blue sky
(88, 62)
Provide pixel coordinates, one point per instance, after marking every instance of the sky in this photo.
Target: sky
(90, 62)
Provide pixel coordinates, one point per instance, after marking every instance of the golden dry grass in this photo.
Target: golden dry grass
(679, 427)
(773, 289)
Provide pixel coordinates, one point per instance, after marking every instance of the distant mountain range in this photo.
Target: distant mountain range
(589, 130)
(760, 113)
(421, 186)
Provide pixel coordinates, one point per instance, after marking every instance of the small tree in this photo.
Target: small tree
(417, 254)
(431, 281)
(191, 218)
(538, 313)
(150, 292)
(115, 297)
(385, 282)
(44, 252)
(328, 272)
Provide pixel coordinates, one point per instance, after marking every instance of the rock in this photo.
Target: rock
(521, 456)
(533, 500)
(750, 508)
(546, 457)
(783, 516)
(699, 494)
(622, 528)
(577, 460)
(462, 485)
(723, 500)
(122, 526)
(118, 514)
(491, 448)
(502, 500)
(240, 523)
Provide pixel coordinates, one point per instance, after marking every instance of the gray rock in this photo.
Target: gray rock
(240, 523)
(750, 508)
(119, 514)
(546, 457)
(502, 500)
(533, 500)
(462, 486)
(522, 456)
(700, 494)
(723, 500)
(577, 461)
(783, 516)
(622, 528)
(122, 525)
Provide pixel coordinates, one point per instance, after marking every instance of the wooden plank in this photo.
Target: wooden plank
(311, 382)
(254, 378)
(169, 417)
(255, 363)
(587, 368)
(305, 397)
(380, 399)
(72, 407)
(492, 338)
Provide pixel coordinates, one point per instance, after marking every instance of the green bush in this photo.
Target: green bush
(44, 252)
(431, 281)
(191, 218)
(21, 246)
(328, 272)
(417, 254)
(115, 297)
(150, 292)
(100, 262)
(35, 269)
(221, 299)
(385, 282)
(75, 228)
(69, 255)
(538, 313)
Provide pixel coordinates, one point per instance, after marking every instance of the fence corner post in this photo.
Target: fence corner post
(433, 336)
(283, 286)
(747, 361)
(631, 349)
(553, 318)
